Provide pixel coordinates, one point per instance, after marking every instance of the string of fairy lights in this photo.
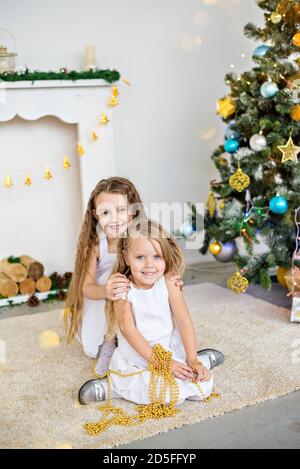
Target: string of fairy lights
(92, 134)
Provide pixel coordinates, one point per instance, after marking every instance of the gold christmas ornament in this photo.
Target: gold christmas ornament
(211, 204)
(8, 182)
(281, 273)
(104, 118)
(28, 181)
(295, 113)
(95, 136)
(239, 181)
(67, 163)
(276, 17)
(290, 151)
(215, 248)
(80, 149)
(296, 40)
(221, 205)
(47, 174)
(226, 107)
(113, 101)
(237, 283)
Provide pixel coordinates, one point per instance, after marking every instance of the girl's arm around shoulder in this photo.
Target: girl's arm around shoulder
(128, 329)
(90, 289)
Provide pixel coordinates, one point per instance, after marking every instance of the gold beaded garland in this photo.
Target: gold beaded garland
(161, 381)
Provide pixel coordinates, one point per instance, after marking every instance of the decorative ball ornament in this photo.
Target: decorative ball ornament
(226, 107)
(296, 40)
(186, 229)
(269, 89)
(239, 180)
(281, 273)
(258, 142)
(260, 51)
(295, 113)
(230, 132)
(215, 248)
(276, 17)
(238, 283)
(231, 146)
(228, 251)
(279, 205)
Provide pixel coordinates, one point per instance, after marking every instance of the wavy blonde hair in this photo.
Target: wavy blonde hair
(88, 239)
(171, 250)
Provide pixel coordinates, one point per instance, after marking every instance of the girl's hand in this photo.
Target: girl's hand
(181, 371)
(201, 374)
(115, 286)
(176, 279)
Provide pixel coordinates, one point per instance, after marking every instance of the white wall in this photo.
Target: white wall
(175, 53)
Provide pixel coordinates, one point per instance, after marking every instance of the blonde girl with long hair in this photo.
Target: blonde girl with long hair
(112, 205)
(152, 314)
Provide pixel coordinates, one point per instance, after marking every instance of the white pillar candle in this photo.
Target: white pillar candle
(89, 57)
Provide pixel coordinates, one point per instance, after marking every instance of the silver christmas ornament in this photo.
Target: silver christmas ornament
(228, 252)
(258, 142)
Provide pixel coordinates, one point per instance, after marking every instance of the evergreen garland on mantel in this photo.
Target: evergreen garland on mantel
(108, 75)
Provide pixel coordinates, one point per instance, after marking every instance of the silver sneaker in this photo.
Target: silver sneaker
(91, 391)
(216, 357)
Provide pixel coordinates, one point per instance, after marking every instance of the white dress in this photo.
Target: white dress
(153, 319)
(93, 327)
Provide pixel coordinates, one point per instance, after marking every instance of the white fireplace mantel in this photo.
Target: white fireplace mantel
(79, 102)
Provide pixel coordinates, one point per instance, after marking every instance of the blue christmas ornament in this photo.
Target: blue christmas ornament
(230, 132)
(269, 89)
(260, 51)
(231, 145)
(279, 205)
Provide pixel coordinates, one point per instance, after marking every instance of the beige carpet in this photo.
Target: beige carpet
(38, 405)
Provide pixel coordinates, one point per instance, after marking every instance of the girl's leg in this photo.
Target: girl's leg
(104, 356)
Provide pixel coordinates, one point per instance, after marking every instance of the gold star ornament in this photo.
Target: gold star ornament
(226, 107)
(289, 151)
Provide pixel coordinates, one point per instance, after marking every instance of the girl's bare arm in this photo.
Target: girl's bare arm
(183, 321)
(90, 289)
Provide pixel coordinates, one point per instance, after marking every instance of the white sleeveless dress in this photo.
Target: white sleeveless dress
(93, 327)
(153, 319)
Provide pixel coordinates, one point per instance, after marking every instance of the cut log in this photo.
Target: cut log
(44, 284)
(15, 271)
(35, 269)
(27, 287)
(8, 288)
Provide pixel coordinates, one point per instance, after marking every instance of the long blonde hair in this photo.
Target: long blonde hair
(88, 239)
(171, 250)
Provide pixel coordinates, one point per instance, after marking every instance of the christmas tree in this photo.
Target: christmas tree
(254, 201)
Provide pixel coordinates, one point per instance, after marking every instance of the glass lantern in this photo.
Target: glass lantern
(7, 58)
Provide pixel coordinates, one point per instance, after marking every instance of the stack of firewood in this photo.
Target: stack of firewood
(22, 275)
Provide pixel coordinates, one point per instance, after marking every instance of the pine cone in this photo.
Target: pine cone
(62, 296)
(33, 301)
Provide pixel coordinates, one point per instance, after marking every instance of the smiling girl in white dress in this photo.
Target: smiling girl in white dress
(156, 357)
